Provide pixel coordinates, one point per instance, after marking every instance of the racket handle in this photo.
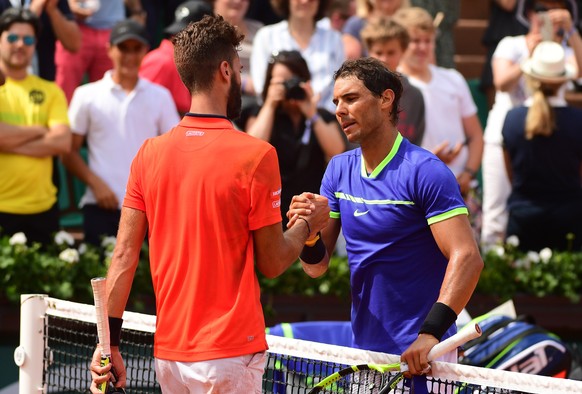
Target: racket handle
(463, 336)
(103, 386)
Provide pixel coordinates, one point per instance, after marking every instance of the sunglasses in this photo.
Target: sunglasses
(27, 40)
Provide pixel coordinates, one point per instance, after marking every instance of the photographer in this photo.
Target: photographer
(305, 136)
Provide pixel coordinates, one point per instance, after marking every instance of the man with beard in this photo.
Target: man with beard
(34, 127)
(413, 260)
(113, 117)
(209, 197)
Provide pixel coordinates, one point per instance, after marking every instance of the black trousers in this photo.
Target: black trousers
(540, 225)
(38, 227)
(99, 223)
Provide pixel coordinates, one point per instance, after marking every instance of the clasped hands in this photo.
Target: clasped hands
(313, 207)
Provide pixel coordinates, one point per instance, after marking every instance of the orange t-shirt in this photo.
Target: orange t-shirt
(204, 187)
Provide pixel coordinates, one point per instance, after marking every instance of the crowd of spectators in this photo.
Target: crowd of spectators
(110, 65)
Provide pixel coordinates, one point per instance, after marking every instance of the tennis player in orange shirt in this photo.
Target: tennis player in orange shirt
(209, 197)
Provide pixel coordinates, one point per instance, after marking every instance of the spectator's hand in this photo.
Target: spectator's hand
(416, 356)
(561, 20)
(307, 106)
(105, 197)
(464, 179)
(447, 153)
(275, 93)
(80, 12)
(119, 375)
(38, 6)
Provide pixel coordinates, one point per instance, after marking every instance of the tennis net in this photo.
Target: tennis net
(58, 340)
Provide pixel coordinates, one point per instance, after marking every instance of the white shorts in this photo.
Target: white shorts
(243, 374)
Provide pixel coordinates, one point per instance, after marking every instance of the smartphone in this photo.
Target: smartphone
(547, 28)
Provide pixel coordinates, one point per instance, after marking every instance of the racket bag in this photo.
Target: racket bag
(517, 345)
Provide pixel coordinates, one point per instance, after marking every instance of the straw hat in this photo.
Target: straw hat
(548, 64)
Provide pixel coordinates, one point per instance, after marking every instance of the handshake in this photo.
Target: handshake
(312, 208)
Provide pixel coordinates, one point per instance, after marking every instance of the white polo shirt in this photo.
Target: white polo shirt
(115, 124)
(447, 101)
(324, 55)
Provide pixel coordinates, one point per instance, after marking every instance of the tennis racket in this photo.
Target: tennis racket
(99, 286)
(364, 374)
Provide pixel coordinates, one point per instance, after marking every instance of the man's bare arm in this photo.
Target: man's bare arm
(55, 142)
(455, 240)
(302, 206)
(67, 31)
(77, 166)
(130, 237)
(275, 251)
(12, 136)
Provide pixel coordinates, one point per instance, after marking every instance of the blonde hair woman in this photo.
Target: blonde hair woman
(543, 157)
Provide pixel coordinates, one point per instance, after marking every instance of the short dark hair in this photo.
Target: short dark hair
(201, 47)
(376, 77)
(290, 59)
(281, 8)
(14, 15)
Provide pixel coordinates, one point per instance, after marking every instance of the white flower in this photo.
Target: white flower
(512, 240)
(498, 250)
(522, 263)
(534, 257)
(64, 237)
(83, 248)
(546, 255)
(69, 255)
(17, 239)
(107, 241)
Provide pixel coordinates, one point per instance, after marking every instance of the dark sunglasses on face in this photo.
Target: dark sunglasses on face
(27, 40)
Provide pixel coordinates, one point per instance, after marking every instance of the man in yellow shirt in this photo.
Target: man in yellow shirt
(34, 127)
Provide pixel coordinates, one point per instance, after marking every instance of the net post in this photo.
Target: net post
(29, 356)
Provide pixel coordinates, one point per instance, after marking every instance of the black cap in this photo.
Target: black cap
(19, 15)
(190, 11)
(128, 29)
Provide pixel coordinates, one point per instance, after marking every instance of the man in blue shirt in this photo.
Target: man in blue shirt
(413, 260)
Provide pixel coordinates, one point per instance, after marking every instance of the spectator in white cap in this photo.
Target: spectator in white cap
(543, 157)
(115, 115)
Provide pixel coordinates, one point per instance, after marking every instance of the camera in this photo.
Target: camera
(293, 90)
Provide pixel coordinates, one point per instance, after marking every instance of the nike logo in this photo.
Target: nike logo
(359, 213)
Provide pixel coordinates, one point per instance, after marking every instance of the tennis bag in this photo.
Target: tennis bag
(517, 345)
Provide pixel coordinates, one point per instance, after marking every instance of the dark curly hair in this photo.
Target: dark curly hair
(201, 47)
(281, 8)
(19, 15)
(376, 78)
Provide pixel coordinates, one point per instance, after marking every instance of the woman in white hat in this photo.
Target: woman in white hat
(555, 18)
(542, 143)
